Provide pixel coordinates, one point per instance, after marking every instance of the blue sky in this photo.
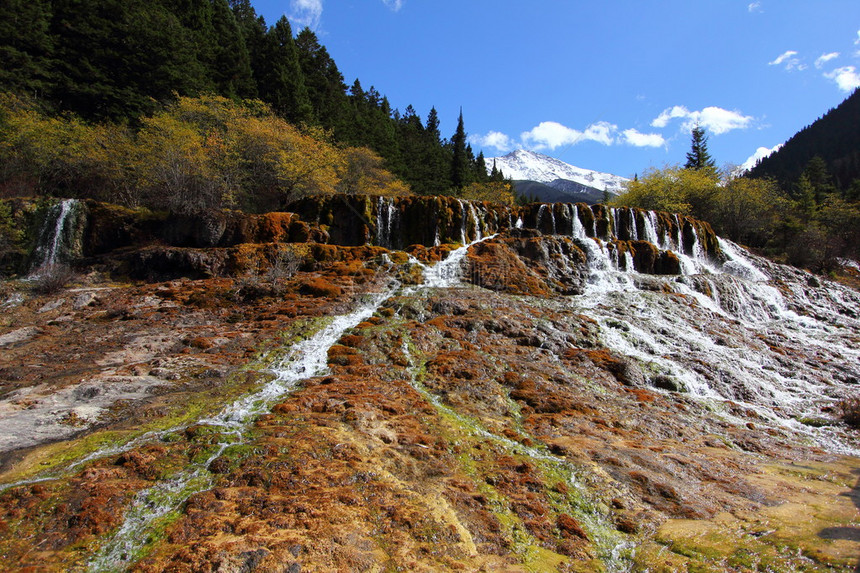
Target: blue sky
(614, 85)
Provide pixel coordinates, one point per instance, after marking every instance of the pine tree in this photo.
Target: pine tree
(117, 58)
(254, 30)
(230, 69)
(25, 46)
(698, 156)
(323, 81)
(479, 168)
(460, 165)
(436, 163)
(819, 178)
(282, 84)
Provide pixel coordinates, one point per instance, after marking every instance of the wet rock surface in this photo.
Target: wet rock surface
(545, 417)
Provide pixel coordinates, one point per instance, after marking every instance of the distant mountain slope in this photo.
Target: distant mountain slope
(835, 137)
(559, 191)
(552, 180)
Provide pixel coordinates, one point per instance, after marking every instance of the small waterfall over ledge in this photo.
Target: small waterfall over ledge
(59, 239)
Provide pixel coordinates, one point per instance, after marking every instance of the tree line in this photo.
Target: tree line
(123, 62)
(834, 138)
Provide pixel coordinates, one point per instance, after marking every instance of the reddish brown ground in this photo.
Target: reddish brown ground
(463, 430)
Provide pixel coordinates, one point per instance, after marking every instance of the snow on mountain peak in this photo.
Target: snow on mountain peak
(530, 166)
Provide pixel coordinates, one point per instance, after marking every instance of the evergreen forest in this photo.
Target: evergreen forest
(90, 85)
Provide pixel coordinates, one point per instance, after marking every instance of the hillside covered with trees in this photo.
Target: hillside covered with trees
(120, 66)
(834, 138)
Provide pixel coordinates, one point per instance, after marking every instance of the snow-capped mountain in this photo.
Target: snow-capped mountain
(522, 165)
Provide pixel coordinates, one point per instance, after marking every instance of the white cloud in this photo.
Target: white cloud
(551, 135)
(760, 153)
(669, 114)
(788, 58)
(782, 57)
(395, 5)
(845, 77)
(636, 139)
(857, 41)
(714, 119)
(718, 120)
(600, 132)
(755, 7)
(824, 58)
(494, 139)
(306, 12)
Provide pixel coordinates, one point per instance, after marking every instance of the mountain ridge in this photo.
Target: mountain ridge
(834, 137)
(524, 165)
(551, 180)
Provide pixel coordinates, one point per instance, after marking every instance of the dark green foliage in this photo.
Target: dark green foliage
(25, 46)
(818, 179)
(323, 82)
(116, 58)
(231, 63)
(698, 156)
(121, 60)
(461, 172)
(282, 83)
(834, 137)
(253, 29)
(436, 159)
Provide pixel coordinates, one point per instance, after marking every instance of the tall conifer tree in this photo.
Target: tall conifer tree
(460, 165)
(282, 84)
(323, 81)
(230, 69)
(698, 156)
(25, 46)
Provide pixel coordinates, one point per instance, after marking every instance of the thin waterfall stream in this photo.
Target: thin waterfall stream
(306, 359)
(52, 247)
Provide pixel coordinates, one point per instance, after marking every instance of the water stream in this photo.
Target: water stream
(54, 236)
(305, 359)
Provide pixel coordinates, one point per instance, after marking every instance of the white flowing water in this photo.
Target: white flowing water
(746, 332)
(476, 221)
(49, 250)
(386, 214)
(777, 341)
(304, 360)
(463, 239)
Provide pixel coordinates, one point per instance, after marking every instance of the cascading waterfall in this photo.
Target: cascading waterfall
(541, 211)
(727, 314)
(577, 230)
(650, 218)
(634, 231)
(476, 221)
(55, 235)
(679, 237)
(755, 321)
(734, 296)
(386, 214)
(463, 239)
(613, 217)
